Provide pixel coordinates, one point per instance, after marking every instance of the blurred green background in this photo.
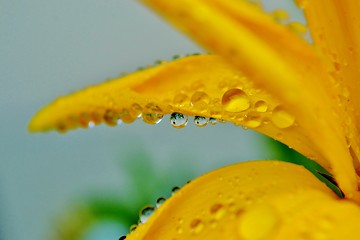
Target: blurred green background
(52, 185)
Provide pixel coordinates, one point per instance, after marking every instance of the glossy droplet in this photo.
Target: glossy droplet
(91, 124)
(261, 106)
(145, 213)
(258, 223)
(197, 225)
(217, 211)
(200, 121)
(178, 120)
(174, 190)
(160, 201)
(111, 117)
(133, 227)
(122, 238)
(252, 120)
(213, 121)
(152, 114)
(136, 110)
(235, 100)
(281, 118)
(126, 116)
(200, 100)
(180, 100)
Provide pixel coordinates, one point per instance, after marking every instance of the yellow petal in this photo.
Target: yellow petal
(335, 31)
(276, 60)
(202, 85)
(253, 200)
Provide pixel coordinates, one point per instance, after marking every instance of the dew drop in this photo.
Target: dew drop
(218, 211)
(136, 110)
(160, 201)
(178, 120)
(180, 100)
(200, 100)
(281, 118)
(126, 117)
(146, 213)
(197, 225)
(91, 124)
(122, 238)
(252, 120)
(261, 106)
(152, 114)
(133, 227)
(213, 121)
(200, 121)
(235, 100)
(174, 190)
(111, 117)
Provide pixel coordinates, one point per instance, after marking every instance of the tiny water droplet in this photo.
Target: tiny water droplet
(160, 201)
(111, 117)
(200, 121)
(235, 100)
(133, 227)
(218, 211)
(178, 120)
(252, 120)
(261, 106)
(145, 213)
(281, 118)
(197, 225)
(213, 121)
(174, 190)
(200, 100)
(180, 100)
(152, 114)
(122, 238)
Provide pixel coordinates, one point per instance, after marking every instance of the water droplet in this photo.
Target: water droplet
(111, 117)
(252, 120)
(280, 15)
(126, 117)
(218, 211)
(200, 100)
(174, 190)
(122, 238)
(197, 86)
(235, 100)
(180, 100)
(261, 106)
(136, 110)
(281, 118)
(152, 114)
(212, 121)
(200, 121)
(258, 222)
(178, 120)
(179, 230)
(146, 213)
(197, 225)
(91, 124)
(160, 201)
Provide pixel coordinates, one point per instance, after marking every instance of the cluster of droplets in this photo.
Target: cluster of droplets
(148, 210)
(179, 120)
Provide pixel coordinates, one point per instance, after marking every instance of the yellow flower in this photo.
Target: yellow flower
(261, 76)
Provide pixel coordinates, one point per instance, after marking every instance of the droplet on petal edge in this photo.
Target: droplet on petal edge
(178, 120)
(145, 213)
(200, 121)
(235, 100)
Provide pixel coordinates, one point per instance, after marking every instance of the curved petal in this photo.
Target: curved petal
(253, 200)
(335, 31)
(276, 60)
(198, 85)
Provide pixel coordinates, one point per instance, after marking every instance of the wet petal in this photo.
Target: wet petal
(253, 200)
(279, 62)
(203, 86)
(335, 31)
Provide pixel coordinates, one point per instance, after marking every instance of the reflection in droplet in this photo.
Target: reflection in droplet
(160, 201)
(281, 118)
(178, 120)
(200, 121)
(261, 106)
(200, 100)
(213, 121)
(122, 238)
(174, 190)
(235, 100)
(145, 213)
(180, 100)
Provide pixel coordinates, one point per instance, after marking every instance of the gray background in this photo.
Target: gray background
(50, 48)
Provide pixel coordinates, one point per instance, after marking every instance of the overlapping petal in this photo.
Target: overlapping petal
(276, 60)
(253, 200)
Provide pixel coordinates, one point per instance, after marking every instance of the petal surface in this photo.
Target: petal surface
(204, 85)
(276, 60)
(253, 200)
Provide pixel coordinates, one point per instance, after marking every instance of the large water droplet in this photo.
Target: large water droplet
(261, 106)
(235, 100)
(200, 121)
(152, 114)
(197, 225)
(281, 118)
(178, 120)
(145, 213)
